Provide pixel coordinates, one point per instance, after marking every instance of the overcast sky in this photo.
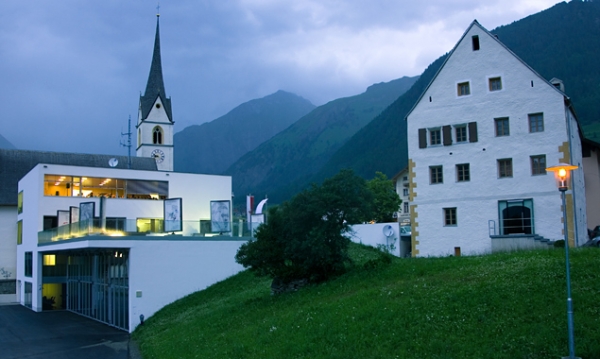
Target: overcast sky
(71, 71)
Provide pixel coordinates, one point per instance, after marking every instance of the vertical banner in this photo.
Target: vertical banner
(220, 216)
(86, 215)
(63, 218)
(173, 215)
(74, 214)
(249, 207)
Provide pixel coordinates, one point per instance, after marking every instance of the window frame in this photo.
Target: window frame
(436, 174)
(463, 172)
(28, 263)
(505, 129)
(450, 217)
(437, 131)
(505, 168)
(492, 81)
(461, 87)
(464, 136)
(157, 135)
(536, 170)
(406, 207)
(539, 120)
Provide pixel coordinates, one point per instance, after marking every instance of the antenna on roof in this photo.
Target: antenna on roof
(128, 143)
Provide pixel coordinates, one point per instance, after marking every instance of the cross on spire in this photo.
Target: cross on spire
(158, 9)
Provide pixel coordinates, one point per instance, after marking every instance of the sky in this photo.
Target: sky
(72, 71)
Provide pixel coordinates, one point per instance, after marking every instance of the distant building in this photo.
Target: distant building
(401, 184)
(479, 140)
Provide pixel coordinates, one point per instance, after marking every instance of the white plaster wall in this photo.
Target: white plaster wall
(577, 182)
(156, 117)
(591, 168)
(8, 240)
(372, 235)
(477, 200)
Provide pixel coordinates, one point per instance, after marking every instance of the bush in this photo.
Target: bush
(304, 237)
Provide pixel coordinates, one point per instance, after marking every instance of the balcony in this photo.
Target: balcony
(121, 227)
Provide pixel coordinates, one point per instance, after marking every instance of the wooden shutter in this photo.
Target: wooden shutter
(447, 133)
(472, 131)
(422, 137)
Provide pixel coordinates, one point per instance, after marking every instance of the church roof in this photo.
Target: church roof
(155, 87)
(14, 164)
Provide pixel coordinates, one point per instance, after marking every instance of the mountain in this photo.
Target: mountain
(5, 144)
(212, 147)
(302, 149)
(562, 42)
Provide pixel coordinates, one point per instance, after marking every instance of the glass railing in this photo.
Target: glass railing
(146, 227)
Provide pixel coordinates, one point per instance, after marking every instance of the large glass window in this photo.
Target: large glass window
(516, 216)
(78, 186)
(28, 264)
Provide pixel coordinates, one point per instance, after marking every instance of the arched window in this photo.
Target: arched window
(157, 135)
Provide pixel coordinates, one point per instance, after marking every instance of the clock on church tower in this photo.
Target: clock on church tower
(155, 117)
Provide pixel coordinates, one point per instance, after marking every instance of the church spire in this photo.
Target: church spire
(155, 87)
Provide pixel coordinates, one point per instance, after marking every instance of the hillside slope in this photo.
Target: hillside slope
(213, 146)
(303, 148)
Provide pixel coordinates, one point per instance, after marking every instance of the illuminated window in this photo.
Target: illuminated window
(20, 203)
(20, 232)
(49, 259)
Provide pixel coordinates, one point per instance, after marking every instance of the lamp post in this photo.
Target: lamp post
(562, 173)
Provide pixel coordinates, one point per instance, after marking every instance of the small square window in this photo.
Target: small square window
(536, 122)
(435, 137)
(461, 133)
(435, 175)
(505, 168)
(463, 173)
(538, 165)
(463, 89)
(495, 84)
(450, 217)
(502, 127)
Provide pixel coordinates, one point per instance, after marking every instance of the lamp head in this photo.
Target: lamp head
(562, 173)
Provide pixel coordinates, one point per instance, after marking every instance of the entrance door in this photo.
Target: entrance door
(516, 216)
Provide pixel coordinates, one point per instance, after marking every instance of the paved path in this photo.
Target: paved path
(57, 335)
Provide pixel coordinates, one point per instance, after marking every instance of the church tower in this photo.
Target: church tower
(155, 119)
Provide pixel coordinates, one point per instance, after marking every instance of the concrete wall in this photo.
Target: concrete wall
(8, 242)
(523, 93)
(372, 235)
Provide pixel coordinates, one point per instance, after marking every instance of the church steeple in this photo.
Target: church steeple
(155, 119)
(155, 87)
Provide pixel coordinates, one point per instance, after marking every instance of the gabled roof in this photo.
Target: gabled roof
(155, 87)
(14, 164)
(475, 23)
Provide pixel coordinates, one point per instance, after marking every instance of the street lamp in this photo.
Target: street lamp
(562, 173)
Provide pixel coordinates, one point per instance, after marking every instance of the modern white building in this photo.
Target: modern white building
(128, 241)
(479, 140)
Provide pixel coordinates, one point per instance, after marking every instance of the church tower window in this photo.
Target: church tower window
(157, 135)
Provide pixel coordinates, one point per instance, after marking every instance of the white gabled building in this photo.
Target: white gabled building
(479, 140)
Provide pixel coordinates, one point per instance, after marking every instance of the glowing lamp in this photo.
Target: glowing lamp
(562, 173)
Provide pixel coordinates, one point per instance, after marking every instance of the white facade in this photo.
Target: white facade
(472, 153)
(149, 145)
(161, 267)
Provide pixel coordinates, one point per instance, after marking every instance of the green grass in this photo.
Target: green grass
(496, 306)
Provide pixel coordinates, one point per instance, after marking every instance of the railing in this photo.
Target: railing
(148, 227)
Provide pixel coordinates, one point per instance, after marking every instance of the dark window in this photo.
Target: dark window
(472, 131)
(405, 192)
(495, 84)
(422, 138)
(475, 40)
(449, 216)
(536, 122)
(28, 264)
(463, 89)
(435, 174)
(157, 136)
(502, 127)
(447, 133)
(405, 207)
(435, 137)
(463, 173)
(505, 168)
(538, 165)
(516, 216)
(461, 133)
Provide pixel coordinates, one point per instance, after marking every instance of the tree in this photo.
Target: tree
(304, 237)
(385, 199)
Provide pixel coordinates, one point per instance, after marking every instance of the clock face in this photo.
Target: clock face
(158, 155)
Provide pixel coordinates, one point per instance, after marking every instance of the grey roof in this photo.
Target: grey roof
(155, 87)
(14, 164)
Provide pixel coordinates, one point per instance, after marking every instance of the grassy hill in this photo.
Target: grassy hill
(496, 306)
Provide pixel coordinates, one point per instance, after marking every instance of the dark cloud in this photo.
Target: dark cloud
(72, 70)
